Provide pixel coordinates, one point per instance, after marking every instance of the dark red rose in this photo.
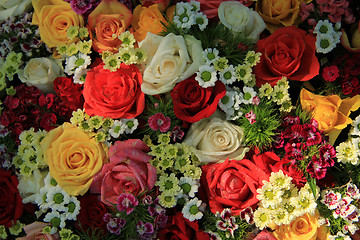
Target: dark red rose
(11, 206)
(92, 212)
(179, 228)
(193, 103)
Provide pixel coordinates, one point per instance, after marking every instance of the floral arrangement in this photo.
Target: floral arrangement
(161, 119)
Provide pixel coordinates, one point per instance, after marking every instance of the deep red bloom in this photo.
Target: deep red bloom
(193, 103)
(11, 206)
(330, 73)
(92, 212)
(180, 228)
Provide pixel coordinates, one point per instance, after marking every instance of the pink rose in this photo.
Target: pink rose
(128, 171)
(34, 232)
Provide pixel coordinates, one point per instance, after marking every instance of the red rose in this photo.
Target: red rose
(114, 94)
(193, 103)
(180, 228)
(69, 92)
(288, 52)
(129, 171)
(91, 213)
(11, 206)
(210, 7)
(232, 184)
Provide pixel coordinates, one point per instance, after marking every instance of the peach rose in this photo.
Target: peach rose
(305, 227)
(73, 157)
(147, 19)
(54, 17)
(278, 13)
(34, 232)
(108, 20)
(331, 112)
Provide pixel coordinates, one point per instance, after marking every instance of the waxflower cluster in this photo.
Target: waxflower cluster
(29, 156)
(127, 53)
(77, 53)
(278, 94)
(342, 205)
(281, 202)
(178, 176)
(103, 129)
(349, 151)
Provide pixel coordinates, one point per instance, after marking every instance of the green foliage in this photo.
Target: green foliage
(219, 37)
(261, 133)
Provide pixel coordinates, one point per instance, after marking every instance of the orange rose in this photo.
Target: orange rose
(305, 227)
(147, 19)
(108, 20)
(331, 112)
(54, 17)
(278, 13)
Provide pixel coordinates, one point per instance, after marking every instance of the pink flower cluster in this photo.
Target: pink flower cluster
(297, 139)
(338, 10)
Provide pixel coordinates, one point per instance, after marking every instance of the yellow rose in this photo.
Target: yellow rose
(278, 13)
(54, 18)
(147, 19)
(305, 227)
(73, 158)
(331, 112)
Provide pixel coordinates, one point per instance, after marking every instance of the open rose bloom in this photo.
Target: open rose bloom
(180, 120)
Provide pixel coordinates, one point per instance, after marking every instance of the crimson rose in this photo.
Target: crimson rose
(180, 228)
(232, 184)
(11, 206)
(193, 103)
(114, 94)
(288, 52)
(92, 212)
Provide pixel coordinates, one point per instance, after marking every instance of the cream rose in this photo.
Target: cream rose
(13, 8)
(41, 72)
(171, 59)
(29, 186)
(239, 18)
(214, 139)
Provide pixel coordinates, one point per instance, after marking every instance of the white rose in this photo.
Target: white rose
(29, 187)
(239, 18)
(214, 139)
(41, 72)
(13, 8)
(171, 59)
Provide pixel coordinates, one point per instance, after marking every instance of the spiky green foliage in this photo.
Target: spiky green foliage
(217, 36)
(261, 133)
